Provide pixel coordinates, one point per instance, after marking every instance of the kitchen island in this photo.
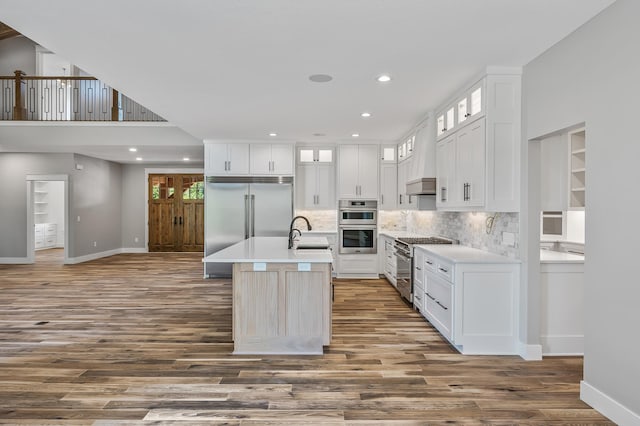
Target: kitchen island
(281, 297)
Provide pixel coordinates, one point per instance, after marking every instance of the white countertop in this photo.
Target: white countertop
(549, 256)
(398, 234)
(462, 254)
(268, 250)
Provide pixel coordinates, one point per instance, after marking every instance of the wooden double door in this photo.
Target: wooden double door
(176, 212)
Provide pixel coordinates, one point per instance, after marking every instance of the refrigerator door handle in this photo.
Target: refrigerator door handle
(246, 216)
(253, 215)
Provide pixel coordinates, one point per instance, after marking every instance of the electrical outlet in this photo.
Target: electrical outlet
(509, 239)
(78, 219)
(95, 244)
(136, 239)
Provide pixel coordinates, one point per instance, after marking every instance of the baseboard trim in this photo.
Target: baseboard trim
(530, 352)
(561, 345)
(607, 406)
(134, 250)
(15, 260)
(92, 256)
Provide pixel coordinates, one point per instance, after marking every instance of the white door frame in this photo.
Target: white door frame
(30, 221)
(160, 171)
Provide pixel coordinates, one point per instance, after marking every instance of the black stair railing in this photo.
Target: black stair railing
(66, 98)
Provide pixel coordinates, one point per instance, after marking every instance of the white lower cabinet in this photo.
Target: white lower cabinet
(471, 297)
(358, 266)
(46, 235)
(387, 258)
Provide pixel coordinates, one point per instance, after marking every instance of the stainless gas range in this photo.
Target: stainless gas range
(403, 248)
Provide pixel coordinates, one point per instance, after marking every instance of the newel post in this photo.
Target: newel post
(19, 109)
(114, 105)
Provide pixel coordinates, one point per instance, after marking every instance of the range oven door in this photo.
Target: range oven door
(403, 275)
(358, 239)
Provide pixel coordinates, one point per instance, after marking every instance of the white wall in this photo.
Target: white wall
(592, 76)
(17, 53)
(14, 168)
(95, 198)
(56, 209)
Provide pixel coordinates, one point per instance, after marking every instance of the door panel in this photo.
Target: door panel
(176, 213)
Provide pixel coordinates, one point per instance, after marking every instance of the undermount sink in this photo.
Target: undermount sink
(311, 243)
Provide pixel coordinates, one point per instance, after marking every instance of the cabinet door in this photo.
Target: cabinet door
(238, 159)
(306, 184)
(402, 185)
(260, 159)
(445, 170)
(388, 186)
(368, 171)
(348, 171)
(282, 159)
(470, 153)
(325, 186)
(216, 162)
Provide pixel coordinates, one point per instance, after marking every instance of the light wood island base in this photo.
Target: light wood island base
(283, 309)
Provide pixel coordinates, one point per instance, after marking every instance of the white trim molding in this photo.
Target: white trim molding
(530, 352)
(92, 256)
(608, 406)
(15, 260)
(134, 250)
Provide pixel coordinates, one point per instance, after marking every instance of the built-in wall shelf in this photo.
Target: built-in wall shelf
(577, 148)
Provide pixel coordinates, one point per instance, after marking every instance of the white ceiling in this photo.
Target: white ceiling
(230, 69)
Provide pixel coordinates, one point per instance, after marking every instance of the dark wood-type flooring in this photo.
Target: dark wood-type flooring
(144, 339)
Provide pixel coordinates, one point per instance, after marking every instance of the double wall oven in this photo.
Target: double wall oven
(358, 226)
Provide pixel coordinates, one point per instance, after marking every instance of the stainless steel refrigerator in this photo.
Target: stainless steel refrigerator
(237, 208)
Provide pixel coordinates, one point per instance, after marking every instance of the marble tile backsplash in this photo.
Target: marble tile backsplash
(392, 220)
(321, 220)
(470, 228)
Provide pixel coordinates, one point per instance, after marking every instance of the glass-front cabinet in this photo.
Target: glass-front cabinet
(467, 107)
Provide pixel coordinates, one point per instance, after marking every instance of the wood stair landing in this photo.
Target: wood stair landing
(144, 339)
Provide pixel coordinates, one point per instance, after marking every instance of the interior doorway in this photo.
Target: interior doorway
(176, 212)
(47, 201)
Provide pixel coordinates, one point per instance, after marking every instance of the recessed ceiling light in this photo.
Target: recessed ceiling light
(320, 78)
(138, 158)
(133, 149)
(384, 78)
(355, 135)
(185, 159)
(273, 135)
(365, 115)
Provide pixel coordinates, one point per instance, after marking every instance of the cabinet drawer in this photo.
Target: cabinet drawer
(39, 244)
(430, 263)
(50, 227)
(439, 304)
(444, 270)
(50, 241)
(418, 299)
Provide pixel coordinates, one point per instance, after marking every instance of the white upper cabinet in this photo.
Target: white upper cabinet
(226, 159)
(483, 173)
(358, 172)
(315, 155)
(271, 159)
(466, 108)
(388, 177)
(470, 153)
(315, 179)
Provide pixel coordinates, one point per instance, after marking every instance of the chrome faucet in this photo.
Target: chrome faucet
(292, 229)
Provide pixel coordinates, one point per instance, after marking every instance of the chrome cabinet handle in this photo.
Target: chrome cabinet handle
(430, 296)
(443, 270)
(418, 268)
(442, 306)
(428, 262)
